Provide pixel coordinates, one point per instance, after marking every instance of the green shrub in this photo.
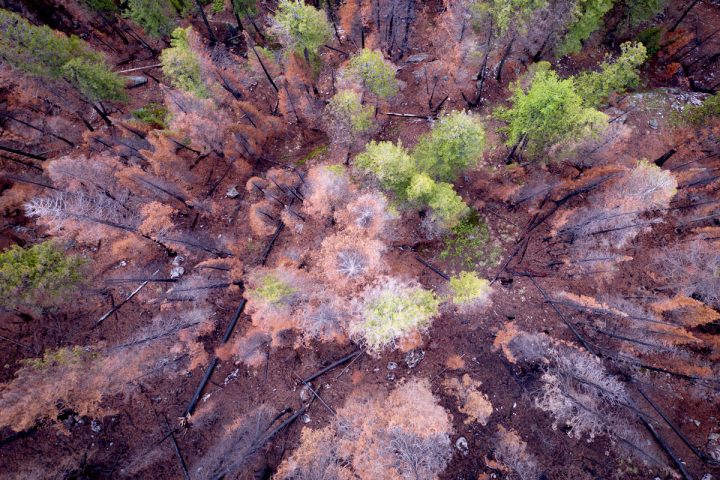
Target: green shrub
(505, 13)
(272, 291)
(550, 111)
(102, 5)
(472, 244)
(639, 11)
(468, 288)
(698, 115)
(37, 276)
(587, 18)
(455, 143)
(154, 114)
(447, 206)
(304, 28)
(376, 74)
(391, 164)
(595, 87)
(181, 65)
(244, 7)
(392, 310)
(57, 358)
(349, 118)
(650, 37)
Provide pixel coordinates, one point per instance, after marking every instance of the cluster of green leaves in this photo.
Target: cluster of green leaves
(102, 5)
(587, 18)
(376, 74)
(471, 243)
(182, 66)
(467, 288)
(157, 17)
(616, 76)
(393, 311)
(700, 114)
(244, 7)
(304, 28)
(455, 143)
(505, 13)
(446, 204)
(346, 110)
(37, 276)
(272, 290)
(639, 11)
(548, 112)
(43, 52)
(154, 114)
(58, 358)
(650, 37)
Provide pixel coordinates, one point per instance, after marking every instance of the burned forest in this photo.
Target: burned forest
(360, 239)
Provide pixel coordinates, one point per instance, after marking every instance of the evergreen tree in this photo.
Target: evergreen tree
(37, 276)
(550, 111)
(304, 29)
(595, 87)
(454, 144)
(349, 118)
(156, 17)
(244, 7)
(181, 65)
(375, 74)
(94, 81)
(639, 11)
(40, 51)
(587, 18)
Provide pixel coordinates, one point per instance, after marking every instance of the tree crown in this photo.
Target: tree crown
(181, 65)
(304, 28)
(454, 144)
(616, 76)
(375, 73)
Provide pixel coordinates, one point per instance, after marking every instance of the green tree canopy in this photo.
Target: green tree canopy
(156, 17)
(467, 288)
(244, 7)
(550, 111)
(390, 163)
(639, 11)
(348, 114)
(43, 52)
(37, 276)
(505, 13)
(614, 76)
(455, 143)
(304, 28)
(375, 73)
(181, 65)
(587, 18)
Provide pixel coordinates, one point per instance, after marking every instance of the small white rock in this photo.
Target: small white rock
(462, 445)
(177, 272)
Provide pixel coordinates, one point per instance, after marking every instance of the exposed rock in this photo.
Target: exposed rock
(176, 272)
(462, 445)
(414, 357)
(136, 81)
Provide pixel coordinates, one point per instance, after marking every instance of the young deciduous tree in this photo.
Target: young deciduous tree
(467, 288)
(547, 112)
(374, 72)
(454, 144)
(392, 309)
(38, 276)
(348, 118)
(614, 77)
(181, 64)
(302, 28)
(391, 164)
(587, 18)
